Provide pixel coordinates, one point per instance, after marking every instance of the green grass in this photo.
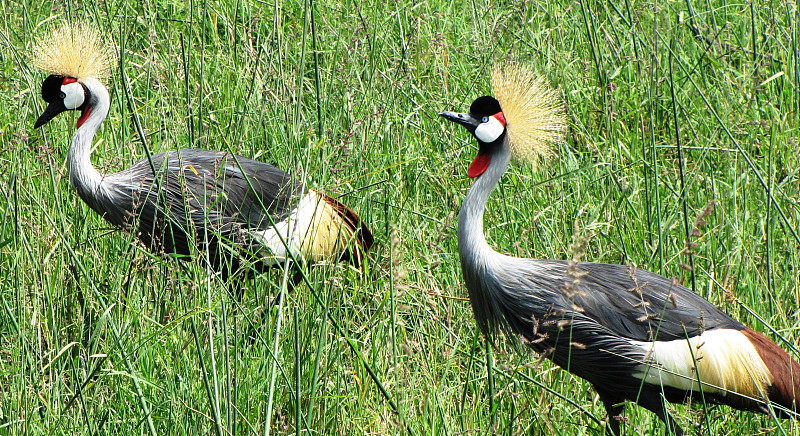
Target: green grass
(672, 106)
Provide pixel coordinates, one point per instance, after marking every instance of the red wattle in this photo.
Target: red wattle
(479, 165)
(500, 117)
(84, 116)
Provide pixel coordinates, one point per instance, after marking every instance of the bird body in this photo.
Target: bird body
(231, 208)
(634, 335)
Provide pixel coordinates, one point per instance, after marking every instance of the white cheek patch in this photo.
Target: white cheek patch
(73, 95)
(490, 130)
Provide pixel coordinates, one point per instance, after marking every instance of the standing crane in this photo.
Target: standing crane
(235, 210)
(634, 335)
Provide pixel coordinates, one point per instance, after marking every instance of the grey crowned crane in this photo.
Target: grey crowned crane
(634, 335)
(235, 210)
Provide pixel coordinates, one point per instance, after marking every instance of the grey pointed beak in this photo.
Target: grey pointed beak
(53, 109)
(466, 120)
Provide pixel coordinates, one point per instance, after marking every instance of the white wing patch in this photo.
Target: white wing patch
(313, 231)
(724, 360)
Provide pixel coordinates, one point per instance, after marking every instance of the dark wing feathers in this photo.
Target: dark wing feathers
(197, 192)
(530, 303)
(628, 302)
(649, 306)
(583, 316)
(269, 197)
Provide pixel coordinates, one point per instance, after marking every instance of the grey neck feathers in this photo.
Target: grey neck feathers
(478, 259)
(82, 174)
(472, 244)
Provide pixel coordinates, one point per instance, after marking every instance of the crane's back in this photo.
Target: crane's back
(195, 196)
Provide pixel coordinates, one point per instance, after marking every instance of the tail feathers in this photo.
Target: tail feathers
(785, 388)
(358, 236)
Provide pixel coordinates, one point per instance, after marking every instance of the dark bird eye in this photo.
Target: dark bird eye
(62, 95)
(484, 119)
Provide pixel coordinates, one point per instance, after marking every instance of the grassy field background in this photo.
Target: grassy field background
(682, 158)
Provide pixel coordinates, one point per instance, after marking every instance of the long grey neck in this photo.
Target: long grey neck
(472, 245)
(478, 260)
(82, 174)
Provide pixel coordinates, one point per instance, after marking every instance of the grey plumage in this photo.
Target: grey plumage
(634, 335)
(214, 196)
(628, 301)
(234, 210)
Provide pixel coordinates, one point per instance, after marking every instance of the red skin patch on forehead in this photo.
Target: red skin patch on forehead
(68, 80)
(500, 117)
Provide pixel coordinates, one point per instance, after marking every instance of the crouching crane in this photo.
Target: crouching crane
(233, 209)
(634, 335)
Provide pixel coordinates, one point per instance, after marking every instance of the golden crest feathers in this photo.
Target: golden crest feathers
(534, 113)
(74, 51)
